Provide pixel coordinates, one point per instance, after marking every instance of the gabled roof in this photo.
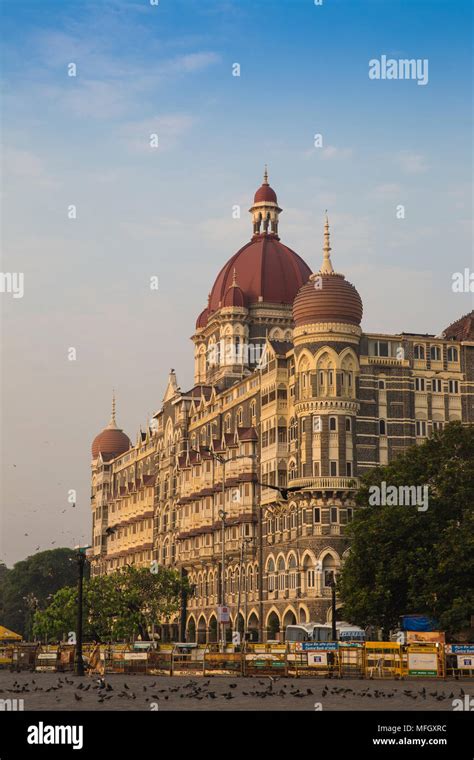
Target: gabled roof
(462, 329)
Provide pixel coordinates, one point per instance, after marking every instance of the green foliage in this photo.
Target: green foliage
(407, 561)
(27, 586)
(116, 607)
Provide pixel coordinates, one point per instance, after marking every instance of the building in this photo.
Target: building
(290, 392)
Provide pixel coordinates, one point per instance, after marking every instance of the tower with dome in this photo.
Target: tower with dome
(292, 393)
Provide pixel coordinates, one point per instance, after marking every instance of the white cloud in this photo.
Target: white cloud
(411, 163)
(25, 165)
(387, 189)
(169, 128)
(331, 151)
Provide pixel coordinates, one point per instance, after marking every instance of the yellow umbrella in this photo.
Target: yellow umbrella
(5, 634)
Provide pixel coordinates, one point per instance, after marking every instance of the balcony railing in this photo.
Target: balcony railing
(326, 483)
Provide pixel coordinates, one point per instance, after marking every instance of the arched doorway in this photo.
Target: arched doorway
(288, 619)
(213, 630)
(252, 627)
(191, 632)
(303, 615)
(201, 630)
(273, 626)
(239, 624)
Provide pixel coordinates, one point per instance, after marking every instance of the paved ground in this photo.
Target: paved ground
(63, 691)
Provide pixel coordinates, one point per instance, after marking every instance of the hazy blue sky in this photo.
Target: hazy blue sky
(84, 140)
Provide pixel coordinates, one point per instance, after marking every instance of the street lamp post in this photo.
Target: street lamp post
(333, 605)
(223, 515)
(245, 541)
(81, 560)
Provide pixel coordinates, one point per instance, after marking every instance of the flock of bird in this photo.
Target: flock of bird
(213, 689)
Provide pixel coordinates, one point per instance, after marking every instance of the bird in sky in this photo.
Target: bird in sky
(283, 490)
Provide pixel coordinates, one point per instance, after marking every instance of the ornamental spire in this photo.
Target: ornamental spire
(265, 176)
(326, 266)
(112, 424)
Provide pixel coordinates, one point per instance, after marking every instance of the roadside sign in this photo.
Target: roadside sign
(422, 662)
(312, 646)
(223, 614)
(236, 638)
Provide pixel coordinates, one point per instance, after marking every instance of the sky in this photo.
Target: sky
(83, 141)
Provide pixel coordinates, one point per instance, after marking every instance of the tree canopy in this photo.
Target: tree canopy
(27, 586)
(403, 560)
(118, 606)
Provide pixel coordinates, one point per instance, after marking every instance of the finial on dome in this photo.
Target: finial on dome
(112, 424)
(265, 176)
(326, 266)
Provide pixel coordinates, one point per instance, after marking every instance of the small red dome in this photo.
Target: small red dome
(234, 297)
(265, 269)
(111, 441)
(335, 301)
(201, 321)
(265, 193)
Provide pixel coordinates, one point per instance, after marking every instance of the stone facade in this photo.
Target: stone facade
(317, 407)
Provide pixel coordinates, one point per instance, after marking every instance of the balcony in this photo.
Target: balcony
(326, 483)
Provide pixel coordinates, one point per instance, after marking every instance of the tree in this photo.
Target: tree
(26, 587)
(404, 560)
(116, 606)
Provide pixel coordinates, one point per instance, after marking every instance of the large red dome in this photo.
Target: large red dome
(111, 442)
(265, 270)
(336, 300)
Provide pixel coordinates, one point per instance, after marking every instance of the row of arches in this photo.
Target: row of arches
(204, 629)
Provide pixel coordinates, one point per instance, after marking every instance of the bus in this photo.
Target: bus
(319, 632)
(308, 632)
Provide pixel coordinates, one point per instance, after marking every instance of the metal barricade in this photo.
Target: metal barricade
(184, 660)
(383, 659)
(47, 659)
(425, 660)
(6, 656)
(459, 660)
(223, 662)
(265, 663)
(351, 660)
(24, 656)
(66, 657)
(160, 662)
(314, 659)
(135, 662)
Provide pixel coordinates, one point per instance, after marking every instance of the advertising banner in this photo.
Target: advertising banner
(428, 637)
(313, 646)
(317, 659)
(422, 663)
(465, 662)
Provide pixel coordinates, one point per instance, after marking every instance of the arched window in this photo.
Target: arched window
(250, 579)
(419, 352)
(309, 573)
(281, 574)
(333, 423)
(293, 573)
(329, 569)
(435, 353)
(348, 424)
(452, 354)
(271, 575)
(382, 427)
(253, 410)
